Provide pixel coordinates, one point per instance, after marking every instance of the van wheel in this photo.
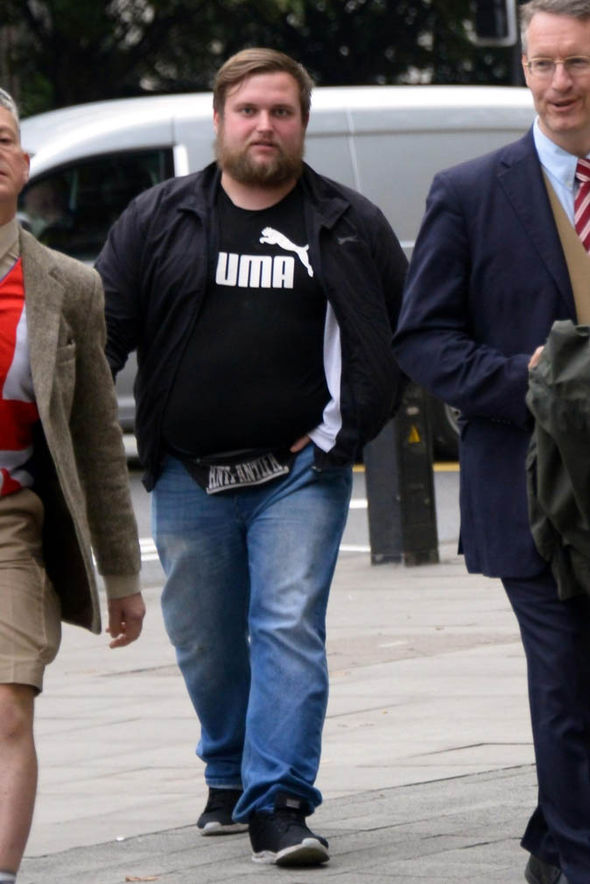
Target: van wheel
(445, 429)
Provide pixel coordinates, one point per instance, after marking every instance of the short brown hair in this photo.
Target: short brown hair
(579, 9)
(260, 61)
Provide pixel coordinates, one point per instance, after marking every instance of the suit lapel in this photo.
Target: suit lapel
(43, 298)
(520, 176)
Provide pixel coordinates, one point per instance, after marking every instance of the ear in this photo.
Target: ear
(26, 167)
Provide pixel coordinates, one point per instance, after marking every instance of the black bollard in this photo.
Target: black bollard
(400, 486)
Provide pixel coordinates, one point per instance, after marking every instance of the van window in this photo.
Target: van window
(72, 208)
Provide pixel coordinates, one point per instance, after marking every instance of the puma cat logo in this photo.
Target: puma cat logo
(276, 238)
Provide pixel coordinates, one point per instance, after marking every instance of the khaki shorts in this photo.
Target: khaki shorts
(30, 620)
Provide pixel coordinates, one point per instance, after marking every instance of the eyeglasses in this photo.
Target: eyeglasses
(575, 66)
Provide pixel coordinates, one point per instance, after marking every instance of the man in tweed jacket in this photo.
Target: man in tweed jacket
(63, 482)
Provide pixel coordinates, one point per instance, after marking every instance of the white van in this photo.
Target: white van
(385, 141)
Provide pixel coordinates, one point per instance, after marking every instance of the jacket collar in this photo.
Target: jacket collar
(325, 196)
(44, 294)
(520, 176)
(9, 245)
(203, 197)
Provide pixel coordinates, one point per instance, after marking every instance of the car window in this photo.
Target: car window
(72, 208)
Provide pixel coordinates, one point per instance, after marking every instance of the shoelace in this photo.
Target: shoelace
(289, 818)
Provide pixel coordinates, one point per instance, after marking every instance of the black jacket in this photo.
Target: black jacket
(558, 466)
(154, 267)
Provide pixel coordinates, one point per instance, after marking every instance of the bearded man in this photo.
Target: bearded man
(261, 299)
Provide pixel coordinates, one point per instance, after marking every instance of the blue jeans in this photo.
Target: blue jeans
(248, 576)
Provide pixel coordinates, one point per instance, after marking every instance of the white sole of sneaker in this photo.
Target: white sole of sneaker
(220, 829)
(309, 853)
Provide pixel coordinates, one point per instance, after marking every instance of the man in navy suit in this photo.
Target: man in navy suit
(487, 280)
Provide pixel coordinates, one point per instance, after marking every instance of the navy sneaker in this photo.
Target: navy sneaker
(216, 819)
(282, 838)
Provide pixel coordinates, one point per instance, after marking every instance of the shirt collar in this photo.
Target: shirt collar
(560, 164)
(9, 240)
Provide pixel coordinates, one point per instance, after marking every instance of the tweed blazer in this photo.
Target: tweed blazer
(80, 458)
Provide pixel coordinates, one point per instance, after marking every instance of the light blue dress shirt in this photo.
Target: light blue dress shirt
(560, 166)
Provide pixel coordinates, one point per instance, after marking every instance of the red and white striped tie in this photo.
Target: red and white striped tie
(582, 203)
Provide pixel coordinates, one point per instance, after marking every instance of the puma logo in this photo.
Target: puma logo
(276, 238)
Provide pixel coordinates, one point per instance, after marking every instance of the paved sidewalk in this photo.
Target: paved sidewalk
(426, 769)
(458, 831)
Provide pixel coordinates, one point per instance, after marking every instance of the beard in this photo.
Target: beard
(284, 165)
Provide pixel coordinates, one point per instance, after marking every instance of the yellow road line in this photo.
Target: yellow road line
(451, 466)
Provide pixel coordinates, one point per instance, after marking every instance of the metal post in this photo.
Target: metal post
(383, 500)
(414, 451)
(400, 487)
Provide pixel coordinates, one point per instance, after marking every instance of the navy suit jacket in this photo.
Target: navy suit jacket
(487, 279)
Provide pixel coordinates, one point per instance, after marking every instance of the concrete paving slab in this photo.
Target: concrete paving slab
(459, 830)
(427, 757)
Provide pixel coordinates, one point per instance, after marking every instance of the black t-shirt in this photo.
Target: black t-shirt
(252, 374)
